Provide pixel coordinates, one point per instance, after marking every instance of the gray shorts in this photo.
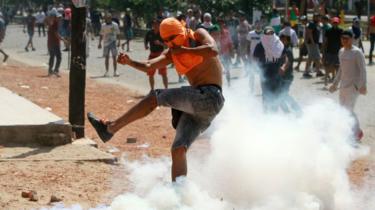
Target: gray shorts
(313, 51)
(194, 109)
(110, 48)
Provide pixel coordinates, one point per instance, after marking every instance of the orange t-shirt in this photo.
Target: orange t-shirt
(185, 62)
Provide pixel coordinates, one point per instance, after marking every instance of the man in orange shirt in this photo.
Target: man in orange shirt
(194, 55)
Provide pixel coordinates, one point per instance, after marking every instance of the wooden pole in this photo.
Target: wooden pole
(77, 76)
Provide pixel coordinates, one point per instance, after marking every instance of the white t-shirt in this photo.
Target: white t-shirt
(40, 17)
(288, 31)
(254, 38)
(109, 33)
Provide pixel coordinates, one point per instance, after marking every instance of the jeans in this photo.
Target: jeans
(193, 110)
(54, 51)
(372, 42)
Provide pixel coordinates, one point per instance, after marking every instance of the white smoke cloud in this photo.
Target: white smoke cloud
(258, 162)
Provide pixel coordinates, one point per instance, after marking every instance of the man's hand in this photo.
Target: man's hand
(123, 59)
(100, 46)
(363, 90)
(332, 88)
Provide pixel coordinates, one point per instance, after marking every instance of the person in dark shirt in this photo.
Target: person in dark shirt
(331, 47)
(53, 43)
(268, 53)
(154, 42)
(96, 21)
(29, 27)
(2, 36)
(128, 26)
(287, 102)
(312, 43)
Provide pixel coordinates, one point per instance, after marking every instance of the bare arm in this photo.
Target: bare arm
(207, 49)
(285, 65)
(144, 66)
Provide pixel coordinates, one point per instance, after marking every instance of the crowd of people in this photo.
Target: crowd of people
(202, 48)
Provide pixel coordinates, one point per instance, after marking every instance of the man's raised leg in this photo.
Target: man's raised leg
(140, 110)
(106, 130)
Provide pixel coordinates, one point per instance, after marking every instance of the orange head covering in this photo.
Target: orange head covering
(184, 62)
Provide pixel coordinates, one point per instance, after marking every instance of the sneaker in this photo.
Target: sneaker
(33, 49)
(57, 74)
(307, 75)
(115, 75)
(27, 50)
(100, 127)
(106, 74)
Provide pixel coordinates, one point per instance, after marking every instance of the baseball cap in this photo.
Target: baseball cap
(347, 33)
(268, 29)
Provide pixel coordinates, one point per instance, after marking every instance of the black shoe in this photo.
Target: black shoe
(307, 75)
(100, 127)
(319, 74)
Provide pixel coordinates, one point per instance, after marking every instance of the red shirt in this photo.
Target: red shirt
(53, 35)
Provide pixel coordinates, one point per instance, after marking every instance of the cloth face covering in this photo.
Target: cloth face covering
(273, 47)
(184, 62)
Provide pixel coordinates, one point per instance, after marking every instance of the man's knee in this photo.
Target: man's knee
(151, 98)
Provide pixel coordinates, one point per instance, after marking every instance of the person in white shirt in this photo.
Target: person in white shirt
(290, 32)
(351, 77)
(40, 18)
(109, 33)
(254, 38)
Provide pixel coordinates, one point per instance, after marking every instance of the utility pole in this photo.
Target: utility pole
(77, 76)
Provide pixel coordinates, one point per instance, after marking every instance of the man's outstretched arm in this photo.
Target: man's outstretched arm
(145, 66)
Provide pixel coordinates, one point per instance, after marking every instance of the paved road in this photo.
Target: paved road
(16, 40)
(305, 91)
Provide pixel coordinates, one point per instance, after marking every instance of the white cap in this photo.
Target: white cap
(207, 15)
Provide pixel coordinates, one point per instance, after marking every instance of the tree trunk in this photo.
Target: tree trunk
(77, 76)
